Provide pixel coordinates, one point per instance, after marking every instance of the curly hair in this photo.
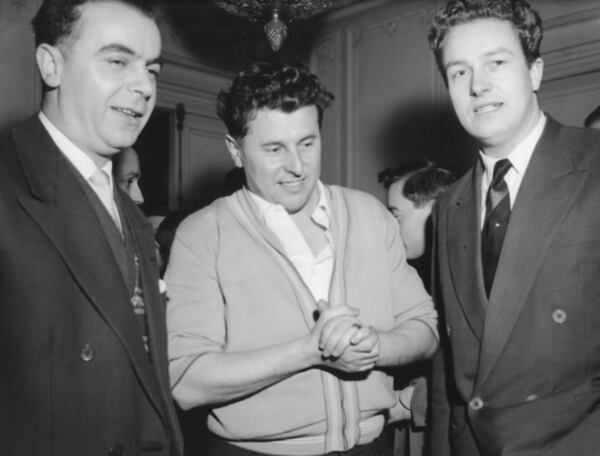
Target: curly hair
(425, 180)
(519, 13)
(283, 86)
(56, 20)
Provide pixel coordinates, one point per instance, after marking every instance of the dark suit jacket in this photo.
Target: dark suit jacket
(526, 362)
(75, 378)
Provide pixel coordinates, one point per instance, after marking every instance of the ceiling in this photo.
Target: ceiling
(226, 42)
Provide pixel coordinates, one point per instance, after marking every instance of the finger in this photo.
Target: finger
(322, 305)
(343, 342)
(365, 331)
(350, 356)
(370, 344)
(332, 332)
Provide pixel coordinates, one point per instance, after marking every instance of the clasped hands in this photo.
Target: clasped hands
(343, 342)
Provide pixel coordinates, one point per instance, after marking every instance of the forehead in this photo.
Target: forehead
(109, 22)
(274, 124)
(480, 38)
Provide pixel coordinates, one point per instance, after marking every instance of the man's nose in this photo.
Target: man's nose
(135, 193)
(479, 83)
(294, 162)
(143, 82)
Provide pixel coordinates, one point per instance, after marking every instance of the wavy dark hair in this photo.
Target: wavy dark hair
(56, 20)
(425, 180)
(270, 85)
(519, 13)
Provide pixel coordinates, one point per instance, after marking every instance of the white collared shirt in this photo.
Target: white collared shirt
(519, 159)
(80, 160)
(316, 271)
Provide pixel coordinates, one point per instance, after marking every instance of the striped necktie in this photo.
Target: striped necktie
(497, 209)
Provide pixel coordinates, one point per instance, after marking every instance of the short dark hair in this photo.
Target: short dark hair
(56, 20)
(592, 118)
(270, 85)
(425, 180)
(519, 13)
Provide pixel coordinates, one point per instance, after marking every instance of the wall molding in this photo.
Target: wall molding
(579, 91)
(189, 63)
(571, 61)
(590, 15)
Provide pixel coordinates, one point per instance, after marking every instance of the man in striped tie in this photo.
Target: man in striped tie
(517, 244)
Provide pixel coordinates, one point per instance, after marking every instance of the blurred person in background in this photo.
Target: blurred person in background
(412, 190)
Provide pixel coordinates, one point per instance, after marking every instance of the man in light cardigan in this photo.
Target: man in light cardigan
(289, 299)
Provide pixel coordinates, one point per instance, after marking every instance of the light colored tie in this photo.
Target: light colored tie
(101, 185)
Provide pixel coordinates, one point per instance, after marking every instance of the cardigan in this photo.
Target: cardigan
(231, 288)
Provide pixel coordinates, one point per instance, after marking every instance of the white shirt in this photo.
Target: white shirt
(316, 271)
(82, 162)
(519, 159)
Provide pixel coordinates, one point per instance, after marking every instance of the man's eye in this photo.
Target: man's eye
(457, 74)
(117, 62)
(154, 71)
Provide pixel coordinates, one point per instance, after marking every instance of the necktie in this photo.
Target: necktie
(101, 185)
(497, 209)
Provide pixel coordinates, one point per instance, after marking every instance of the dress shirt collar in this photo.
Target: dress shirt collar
(520, 155)
(79, 159)
(321, 215)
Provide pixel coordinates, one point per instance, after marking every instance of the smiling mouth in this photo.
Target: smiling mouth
(292, 184)
(129, 112)
(488, 108)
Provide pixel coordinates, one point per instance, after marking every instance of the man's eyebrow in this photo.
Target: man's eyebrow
(499, 50)
(116, 47)
(272, 143)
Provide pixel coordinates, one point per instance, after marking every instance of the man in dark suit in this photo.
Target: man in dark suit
(517, 246)
(82, 320)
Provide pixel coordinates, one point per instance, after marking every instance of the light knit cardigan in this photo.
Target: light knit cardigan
(231, 288)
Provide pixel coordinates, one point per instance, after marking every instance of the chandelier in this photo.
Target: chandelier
(275, 10)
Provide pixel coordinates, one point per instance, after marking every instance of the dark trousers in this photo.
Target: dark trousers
(378, 447)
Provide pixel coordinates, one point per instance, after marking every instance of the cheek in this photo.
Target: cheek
(459, 102)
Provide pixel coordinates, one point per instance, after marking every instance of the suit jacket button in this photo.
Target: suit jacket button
(476, 403)
(87, 353)
(531, 397)
(559, 316)
(116, 450)
(448, 330)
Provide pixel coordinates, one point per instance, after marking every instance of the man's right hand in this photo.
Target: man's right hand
(344, 344)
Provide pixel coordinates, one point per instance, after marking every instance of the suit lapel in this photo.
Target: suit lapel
(549, 188)
(61, 209)
(464, 250)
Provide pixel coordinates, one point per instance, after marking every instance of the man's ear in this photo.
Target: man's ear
(50, 62)
(234, 151)
(536, 72)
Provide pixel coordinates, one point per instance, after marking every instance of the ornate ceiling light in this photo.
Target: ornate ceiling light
(277, 11)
